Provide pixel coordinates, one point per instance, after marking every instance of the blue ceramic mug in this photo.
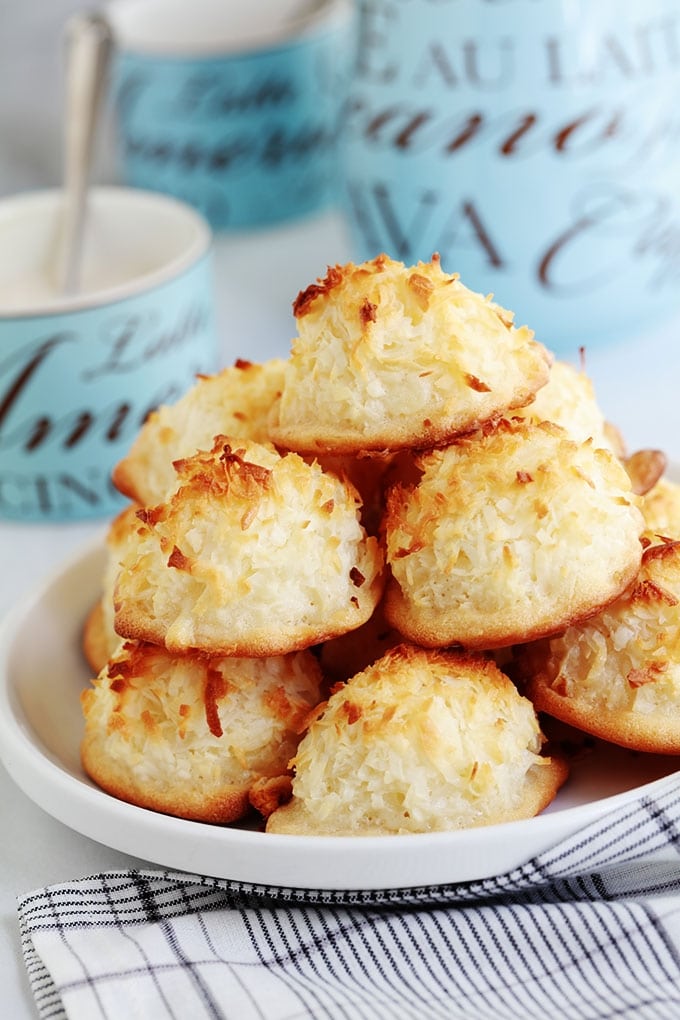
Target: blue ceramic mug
(534, 144)
(80, 373)
(232, 107)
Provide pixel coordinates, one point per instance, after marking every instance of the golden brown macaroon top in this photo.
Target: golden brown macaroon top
(390, 357)
(617, 675)
(235, 402)
(192, 735)
(419, 741)
(510, 533)
(255, 553)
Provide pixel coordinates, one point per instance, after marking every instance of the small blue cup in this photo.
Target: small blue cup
(534, 144)
(233, 108)
(79, 374)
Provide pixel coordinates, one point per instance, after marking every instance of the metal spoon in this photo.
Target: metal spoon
(88, 41)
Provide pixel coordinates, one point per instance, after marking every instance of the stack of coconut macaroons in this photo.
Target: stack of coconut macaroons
(305, 605)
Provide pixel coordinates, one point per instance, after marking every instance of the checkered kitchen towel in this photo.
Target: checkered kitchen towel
(590, 929)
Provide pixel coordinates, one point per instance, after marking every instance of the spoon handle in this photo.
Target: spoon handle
(88, 41)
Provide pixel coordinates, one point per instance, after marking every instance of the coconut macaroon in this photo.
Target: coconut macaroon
(390, 357)
(191, 735)
(661, 509)
(99, 636)
(568, 399)
(254, 554)
(617, 675)
(511, 533)
(234, 402)
(421, 741)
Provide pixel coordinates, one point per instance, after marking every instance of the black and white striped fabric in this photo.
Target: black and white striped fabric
(588, 930)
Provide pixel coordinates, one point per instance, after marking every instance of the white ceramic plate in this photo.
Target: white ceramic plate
(41, 675)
